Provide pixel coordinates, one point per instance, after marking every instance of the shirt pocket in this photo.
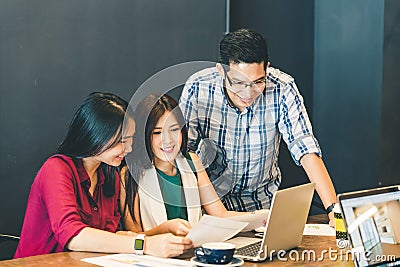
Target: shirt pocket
(111, 223)
(86, 216)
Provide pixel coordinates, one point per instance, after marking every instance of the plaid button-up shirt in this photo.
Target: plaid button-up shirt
(249, 140)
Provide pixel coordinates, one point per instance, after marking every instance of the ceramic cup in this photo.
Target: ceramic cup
(215, 253)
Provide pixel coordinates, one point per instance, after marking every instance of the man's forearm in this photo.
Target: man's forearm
(317, 173)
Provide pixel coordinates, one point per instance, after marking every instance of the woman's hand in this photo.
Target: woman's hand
(177, 227)
(166, 245)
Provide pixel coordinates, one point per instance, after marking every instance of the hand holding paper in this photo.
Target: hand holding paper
(254, 219)
(214, 229)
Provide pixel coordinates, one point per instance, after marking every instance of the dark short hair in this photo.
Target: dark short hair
(243, 46)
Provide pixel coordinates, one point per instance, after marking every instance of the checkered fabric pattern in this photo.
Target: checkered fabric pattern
(250, 138)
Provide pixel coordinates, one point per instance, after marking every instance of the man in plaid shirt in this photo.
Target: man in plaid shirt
(237, 112)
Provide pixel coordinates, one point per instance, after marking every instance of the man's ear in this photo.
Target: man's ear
(220, 69)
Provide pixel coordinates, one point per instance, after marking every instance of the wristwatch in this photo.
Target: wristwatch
(138, 244)
(329, 209)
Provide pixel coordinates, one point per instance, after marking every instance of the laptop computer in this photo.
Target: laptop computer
(372, 219)
(284, 228)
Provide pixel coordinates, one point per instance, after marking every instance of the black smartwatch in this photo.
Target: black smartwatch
(138, 245)
(329, 209)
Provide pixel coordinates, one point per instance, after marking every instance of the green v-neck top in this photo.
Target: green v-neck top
(173, 195)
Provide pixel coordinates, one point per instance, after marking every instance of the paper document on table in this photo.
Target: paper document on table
(125, 260)
(214, 229)
(311, 229)
(255, 219)
(319, 229)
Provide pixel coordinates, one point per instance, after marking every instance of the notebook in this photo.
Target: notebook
(284, 228)
(372, 219)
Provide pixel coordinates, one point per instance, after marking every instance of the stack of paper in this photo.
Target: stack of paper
(319, 229)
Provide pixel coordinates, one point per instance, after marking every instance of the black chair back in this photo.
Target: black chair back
(8, 246)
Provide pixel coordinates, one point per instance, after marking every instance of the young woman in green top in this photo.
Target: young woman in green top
(165, 187)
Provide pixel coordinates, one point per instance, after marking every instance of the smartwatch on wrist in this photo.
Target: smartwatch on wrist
(138, 244)
(329, 209)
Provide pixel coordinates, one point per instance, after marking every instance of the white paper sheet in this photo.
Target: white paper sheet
(255, 219)
(214, 229)
(312, 229)
(319, 229)
(132, 260)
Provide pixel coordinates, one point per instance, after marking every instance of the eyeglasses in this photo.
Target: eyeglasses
(240, 86)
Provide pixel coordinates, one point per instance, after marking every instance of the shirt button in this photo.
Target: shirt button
(237, 137)
(95, 208)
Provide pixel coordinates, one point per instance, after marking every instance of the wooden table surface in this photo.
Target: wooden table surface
(321, 245)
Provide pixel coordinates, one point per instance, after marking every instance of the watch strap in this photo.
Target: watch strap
(329, 209)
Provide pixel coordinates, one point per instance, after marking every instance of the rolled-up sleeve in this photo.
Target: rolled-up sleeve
(294, 124)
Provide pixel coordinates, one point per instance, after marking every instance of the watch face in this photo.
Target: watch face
(139, 244)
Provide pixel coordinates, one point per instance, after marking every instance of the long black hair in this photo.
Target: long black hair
(147, 114)
(96, 127)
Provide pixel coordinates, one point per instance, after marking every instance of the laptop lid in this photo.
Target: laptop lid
(285, 222)
(287, 217)
(372, 219)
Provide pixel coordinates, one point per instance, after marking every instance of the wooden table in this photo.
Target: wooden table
(318, 244)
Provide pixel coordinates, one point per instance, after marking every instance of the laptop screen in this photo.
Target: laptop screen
(372, 218)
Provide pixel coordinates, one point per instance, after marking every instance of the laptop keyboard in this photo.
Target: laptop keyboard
(249, 250)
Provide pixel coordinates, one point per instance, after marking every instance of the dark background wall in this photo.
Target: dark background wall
(53, 53)
(390, 127)
(288, 27)
(348, 89)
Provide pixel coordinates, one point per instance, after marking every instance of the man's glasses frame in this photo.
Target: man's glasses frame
(240, 86)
